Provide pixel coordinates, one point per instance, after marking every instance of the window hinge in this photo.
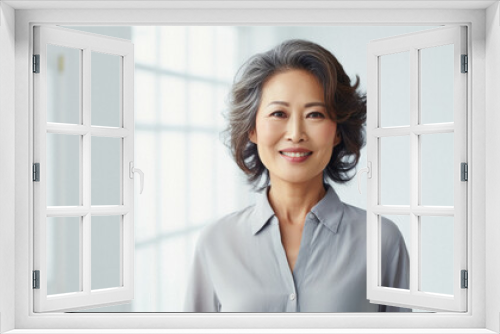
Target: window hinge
(36, 279)
(464, 171)
(465, 279)
(36, 63)
(465, 64)
(36, 172)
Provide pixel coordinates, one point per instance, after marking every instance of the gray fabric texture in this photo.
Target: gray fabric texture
(240, 264)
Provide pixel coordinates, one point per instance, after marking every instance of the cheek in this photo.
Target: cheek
(327, 134)
(268, 132)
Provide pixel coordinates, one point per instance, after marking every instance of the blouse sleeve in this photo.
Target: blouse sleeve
(395, 266)
(200, 293)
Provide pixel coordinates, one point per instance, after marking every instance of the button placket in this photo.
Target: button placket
(286, 273)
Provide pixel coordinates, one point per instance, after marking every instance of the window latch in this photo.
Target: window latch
(133, 170)
(367, 170)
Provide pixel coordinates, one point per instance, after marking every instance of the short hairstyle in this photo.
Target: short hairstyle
(344, 104)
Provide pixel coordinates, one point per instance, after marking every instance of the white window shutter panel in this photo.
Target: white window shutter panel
(74, 230)
(430, 224)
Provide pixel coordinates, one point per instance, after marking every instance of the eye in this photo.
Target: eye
(278, 114)
(316, 114)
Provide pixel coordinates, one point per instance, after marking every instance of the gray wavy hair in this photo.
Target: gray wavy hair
(345, 105)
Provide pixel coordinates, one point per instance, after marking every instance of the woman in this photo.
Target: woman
(295, 122)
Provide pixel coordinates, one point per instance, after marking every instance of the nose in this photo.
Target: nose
(296, 130)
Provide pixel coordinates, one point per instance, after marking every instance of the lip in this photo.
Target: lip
(296, 150)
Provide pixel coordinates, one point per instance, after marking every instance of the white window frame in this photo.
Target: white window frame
(482, 312)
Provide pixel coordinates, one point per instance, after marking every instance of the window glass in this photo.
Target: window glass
(63, 169)
(106, 89)
(436, 84)
(395, 89)
(436, 251)
(106, 248)
(63, 84)
(106, 168)
(63, 255)
(436, 152)
(395, 170)
(391, 227)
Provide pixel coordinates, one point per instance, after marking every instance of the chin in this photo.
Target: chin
(294, 178)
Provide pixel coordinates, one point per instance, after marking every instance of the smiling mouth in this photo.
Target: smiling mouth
(296, 154)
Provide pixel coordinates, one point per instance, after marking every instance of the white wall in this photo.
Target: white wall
(492, 163)
(7, 157)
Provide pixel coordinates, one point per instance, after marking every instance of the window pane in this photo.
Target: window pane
(201, 55)
(147, 277)
(173, 101)
(106, 171)
(395, 170)
(106, 89)
(174, 181)
(390, 230)
(201, 104)
(145, 97)
(63, 169)
(145, 44)
(436, 254)
(201, 176)
(395, 89)
(174, 251)
(221, 105)
(147, 204)
(436, 84)
(63, 84)
(437, 169)
(63, 255)
(225, 52)
(106, 251)
(173, 48)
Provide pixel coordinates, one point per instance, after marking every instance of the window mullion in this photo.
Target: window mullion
(87, 165)
(414, 170)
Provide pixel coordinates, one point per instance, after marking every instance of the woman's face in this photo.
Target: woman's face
(294, 134)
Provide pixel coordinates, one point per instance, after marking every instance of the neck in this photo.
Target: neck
(291, 202)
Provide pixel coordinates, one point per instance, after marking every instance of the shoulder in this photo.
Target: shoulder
(232, 226)
(355, 217)
(390, 231)
(353, 213)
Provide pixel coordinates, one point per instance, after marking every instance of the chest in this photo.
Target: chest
(291, 237)
(327, 275)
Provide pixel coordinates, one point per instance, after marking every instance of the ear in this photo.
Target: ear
(252, 135)
(337, 140)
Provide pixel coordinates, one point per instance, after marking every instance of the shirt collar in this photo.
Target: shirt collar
(329, 210)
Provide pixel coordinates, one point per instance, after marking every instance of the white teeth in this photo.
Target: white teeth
(295, 154)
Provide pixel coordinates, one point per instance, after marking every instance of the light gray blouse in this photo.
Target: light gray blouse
(240, 264)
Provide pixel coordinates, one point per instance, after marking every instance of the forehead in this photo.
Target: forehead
(293, 83)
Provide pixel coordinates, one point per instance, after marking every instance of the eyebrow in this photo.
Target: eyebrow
(307, 105)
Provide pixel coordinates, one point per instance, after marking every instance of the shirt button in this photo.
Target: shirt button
(292, 296)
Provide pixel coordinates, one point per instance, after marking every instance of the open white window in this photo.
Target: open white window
(83, 154)
(417, 152)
